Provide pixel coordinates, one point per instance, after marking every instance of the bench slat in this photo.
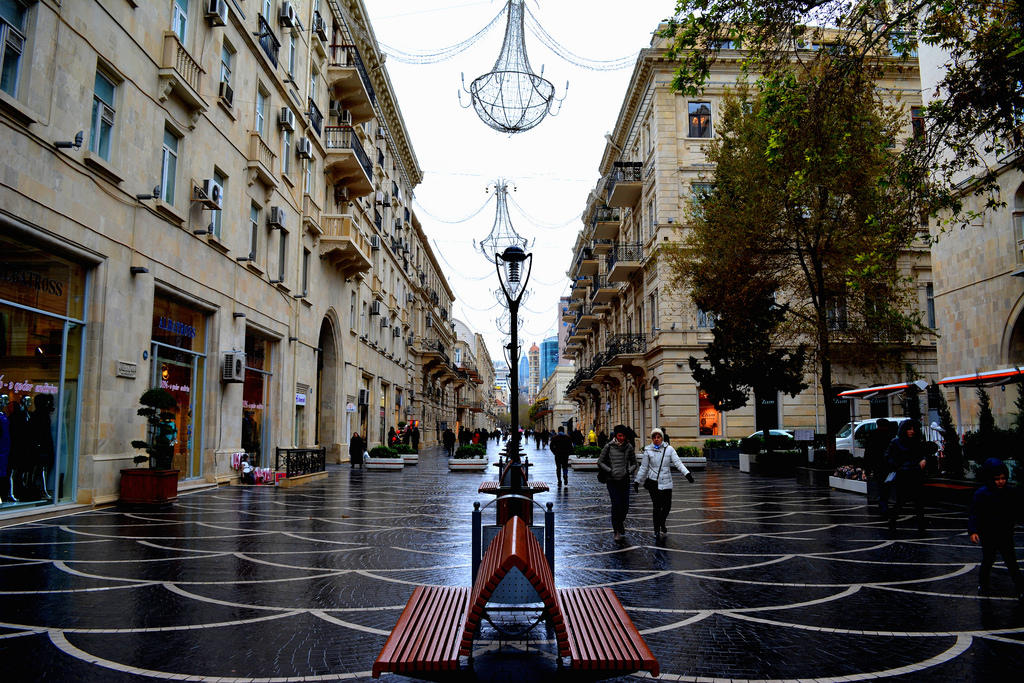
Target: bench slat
(600, 633)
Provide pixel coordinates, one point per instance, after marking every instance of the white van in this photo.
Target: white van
(853, 437)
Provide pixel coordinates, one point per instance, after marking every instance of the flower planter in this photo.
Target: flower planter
(852, 485)
(383, 463)
(148, 487)
(467, 464)
(410, 458)
(578, 463)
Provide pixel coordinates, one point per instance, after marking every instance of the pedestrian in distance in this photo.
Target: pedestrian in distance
(655, 473)
(448, 441)
(561, 447)
(993, 516)
(907, 456)
(415, 436)
(617, 464)
(591, 438)
(602, 439)
(877, 467)
(356, 448)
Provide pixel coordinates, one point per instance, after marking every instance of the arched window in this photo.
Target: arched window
(1018, 218)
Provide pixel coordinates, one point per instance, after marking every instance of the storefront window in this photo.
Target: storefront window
(710, 418)
(255, 390)
(179, 343)
(41, 304)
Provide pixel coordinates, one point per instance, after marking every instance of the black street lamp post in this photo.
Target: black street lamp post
(513, 266)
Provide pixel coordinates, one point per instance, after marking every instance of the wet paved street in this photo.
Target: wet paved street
(760, 579)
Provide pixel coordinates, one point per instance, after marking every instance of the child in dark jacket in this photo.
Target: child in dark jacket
(992, 519)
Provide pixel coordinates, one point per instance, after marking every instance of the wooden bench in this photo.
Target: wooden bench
(601, 635)
(428, 633)
(494, 486)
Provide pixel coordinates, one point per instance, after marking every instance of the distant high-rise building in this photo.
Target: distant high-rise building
(534, 370)
(501, 379)
(563, 330)
(524, 375)
(548, 358)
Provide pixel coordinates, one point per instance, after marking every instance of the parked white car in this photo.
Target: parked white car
(853, 437)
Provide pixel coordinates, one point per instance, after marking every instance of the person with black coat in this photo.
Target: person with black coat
(356, 448)
(993, 516)
(876, 465)
(448, 441)
(907, 457)
(617, 464)
(561, 447)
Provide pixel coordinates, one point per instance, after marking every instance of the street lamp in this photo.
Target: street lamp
(514, 266)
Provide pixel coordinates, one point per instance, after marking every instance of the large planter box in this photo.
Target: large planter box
(851, 485)
(578, 463)
(143, 486)
(726, 455)
(745, 460)
(383, 463)
(411, 458)
(694, 463)
(467, 464)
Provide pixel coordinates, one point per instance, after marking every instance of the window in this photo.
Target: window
(652, 305)
(652, 219)
(286, 152)
(352, 310)
(179, 19)
(102, 126)
(216, 222)
(12, 44)
(700, 119)
(929, 297)
(282, 254)
(227, 58)
(313, 76)
(709, 417)
(835, 314)
(168, 166)
(1018, 216)
(254, 231)
(917, 122)
(261, 113)
(705, 320)
(305, 272)
(291, 55)
(307, 183)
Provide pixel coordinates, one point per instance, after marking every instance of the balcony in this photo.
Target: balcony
(344, 246)
(316, 117)
(602, 247)
(261, 161)
(268, 41)
(346, 161)
(621, 345)
(587, 262)
(349, 83)
(579, 287)
(625, 183)
(603, 292)
(311, 215)
(587, 317)
(576, 335)
(180, 74)
(568, 315)
(624, 260)
(606, 223)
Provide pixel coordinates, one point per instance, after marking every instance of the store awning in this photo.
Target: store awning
(883, 390)
(992, 378)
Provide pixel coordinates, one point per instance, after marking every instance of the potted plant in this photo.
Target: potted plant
(471, 457)
(584, 457)
(158, 483)
(409, 454)
(383, 458)
(691, 457)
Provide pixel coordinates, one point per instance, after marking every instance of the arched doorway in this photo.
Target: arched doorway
(327, 392)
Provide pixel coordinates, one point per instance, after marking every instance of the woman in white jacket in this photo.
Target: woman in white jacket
(655, 474)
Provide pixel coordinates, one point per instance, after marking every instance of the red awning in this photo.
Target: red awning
(985, 379)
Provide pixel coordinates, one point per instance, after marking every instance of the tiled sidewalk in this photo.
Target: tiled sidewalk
(759, 580)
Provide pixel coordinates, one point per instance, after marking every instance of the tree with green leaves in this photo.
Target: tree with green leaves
(986, 420)
(979, 101)
(811, 204)
(1018, 411)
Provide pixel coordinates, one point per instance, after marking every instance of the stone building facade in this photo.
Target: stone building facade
(631, 331)
(232, 223)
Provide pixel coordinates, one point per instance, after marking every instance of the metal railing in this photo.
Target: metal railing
(301, 460)
(268, 41)
(625, 252)
(600, 281)
(316, 117)
(607, 214)
(625, 172)
(626, 343)
(348, 55)
(344, 137)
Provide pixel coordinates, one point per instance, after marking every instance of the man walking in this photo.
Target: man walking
(561, 446)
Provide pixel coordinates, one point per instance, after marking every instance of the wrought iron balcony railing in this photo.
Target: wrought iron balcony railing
(626, 343)
(625, 172)
(344, 137)
(348, 55)
(625, 252)
(268, 41)
(316, 117)
(607, 214)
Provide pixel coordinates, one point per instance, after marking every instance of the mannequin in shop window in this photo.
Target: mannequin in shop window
(6, 477)
(18, 461)
(42, 441)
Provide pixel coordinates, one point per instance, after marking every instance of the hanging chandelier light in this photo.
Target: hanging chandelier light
(502, 234)
(510, 98)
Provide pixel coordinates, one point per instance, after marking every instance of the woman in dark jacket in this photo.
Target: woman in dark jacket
(907, 456)
(994, 512)
(356, 448)
(618, 462)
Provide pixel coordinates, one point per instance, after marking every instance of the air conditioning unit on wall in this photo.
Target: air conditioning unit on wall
(364, 397)
(233, 367)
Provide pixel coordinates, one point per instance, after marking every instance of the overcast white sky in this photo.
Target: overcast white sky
(553, 166)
